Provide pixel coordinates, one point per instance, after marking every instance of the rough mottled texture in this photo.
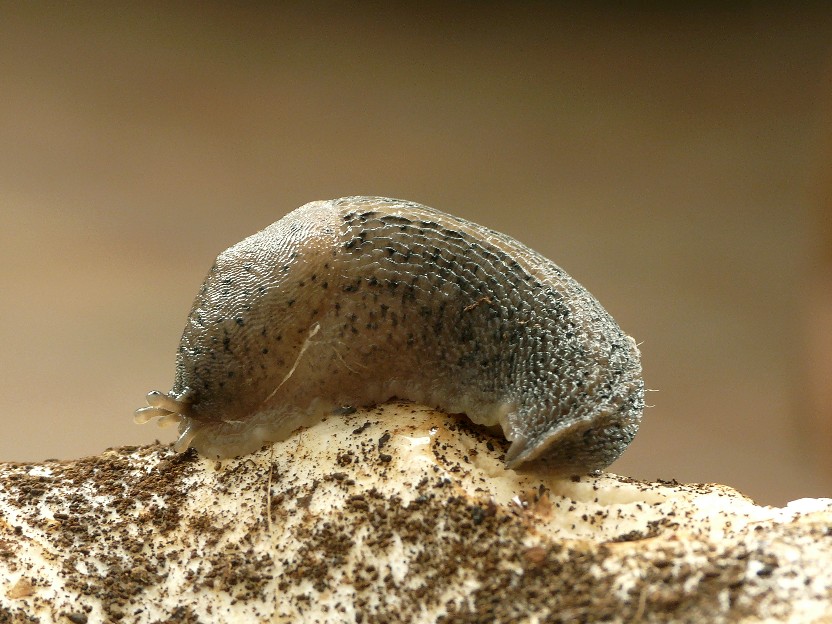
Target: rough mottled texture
(396, 514)
(353, 301)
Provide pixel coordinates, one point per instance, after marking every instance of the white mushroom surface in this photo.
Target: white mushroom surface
(394, 514)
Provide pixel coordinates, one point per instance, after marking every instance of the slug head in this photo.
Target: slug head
(241, 337)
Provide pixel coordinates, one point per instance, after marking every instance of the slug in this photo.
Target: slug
(353, 301)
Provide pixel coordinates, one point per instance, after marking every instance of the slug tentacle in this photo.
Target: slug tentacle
(356, 300)
(146, 414)
(186, 436)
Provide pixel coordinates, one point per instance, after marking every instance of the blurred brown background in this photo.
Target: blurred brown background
(674, 162)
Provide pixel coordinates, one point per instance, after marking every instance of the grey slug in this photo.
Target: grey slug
(353, 301)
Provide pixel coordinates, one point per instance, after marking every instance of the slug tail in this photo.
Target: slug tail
(517, 452)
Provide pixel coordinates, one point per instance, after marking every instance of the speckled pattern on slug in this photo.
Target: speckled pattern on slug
(353, 301)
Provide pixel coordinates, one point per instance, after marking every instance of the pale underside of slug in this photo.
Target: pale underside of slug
(353, 301)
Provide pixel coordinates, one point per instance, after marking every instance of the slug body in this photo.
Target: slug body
(353, 301)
